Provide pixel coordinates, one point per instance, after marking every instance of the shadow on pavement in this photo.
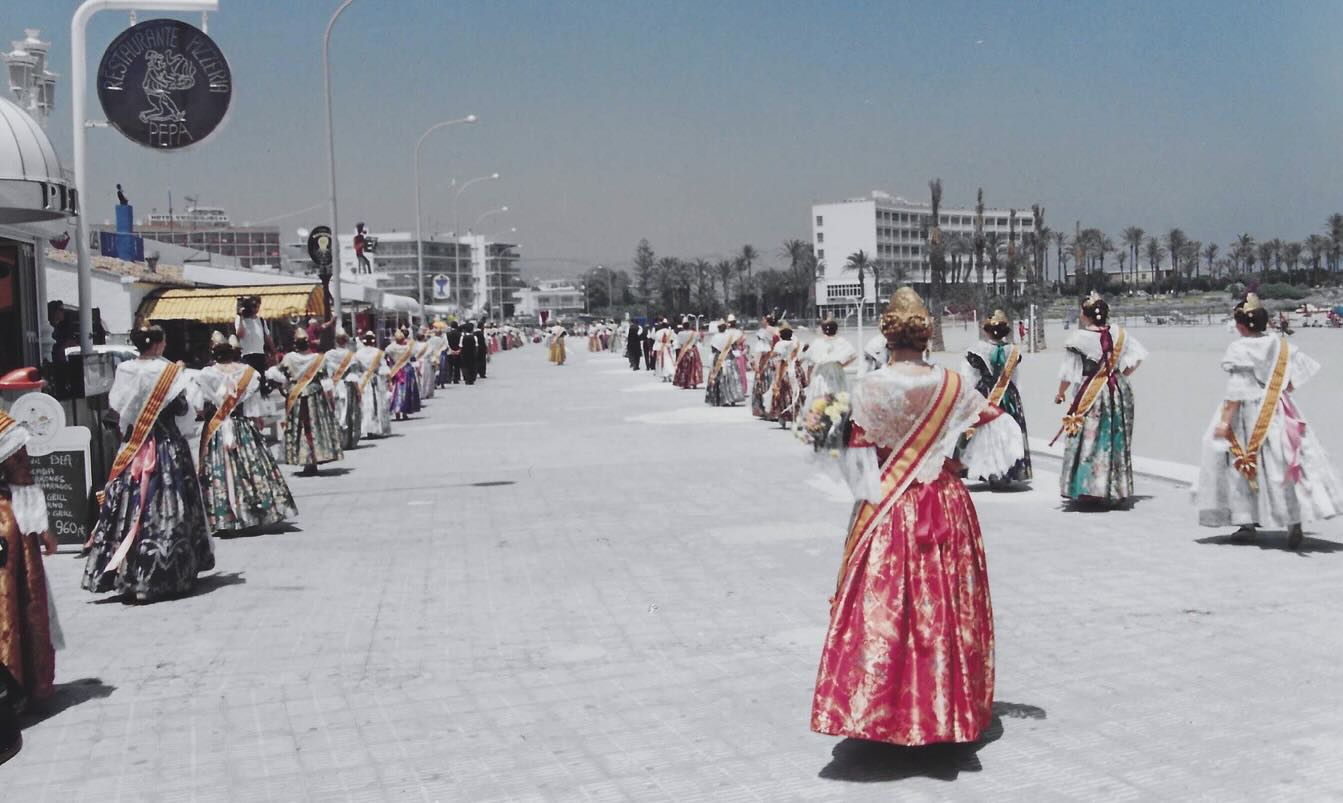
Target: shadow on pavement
(252, 532)
(1081, 506)
(335, 471)
(211, 582)
(861, 761)
(1275, 540)
(66, 695)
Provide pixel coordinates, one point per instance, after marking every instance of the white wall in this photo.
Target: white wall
(117, 301)
(848, 227)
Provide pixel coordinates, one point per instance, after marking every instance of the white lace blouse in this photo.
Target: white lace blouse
(1249, 362)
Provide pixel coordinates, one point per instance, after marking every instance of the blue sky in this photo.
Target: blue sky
(706, 125)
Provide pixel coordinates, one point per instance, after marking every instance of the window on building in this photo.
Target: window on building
(819, 220)
(820, 236)
(820, 254)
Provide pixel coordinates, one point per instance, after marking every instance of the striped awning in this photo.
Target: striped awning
(220, 304)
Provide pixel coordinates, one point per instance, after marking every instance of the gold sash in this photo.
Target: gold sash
(226, 408)
(999, 388)
(372, 369)
(403, 360)
(343, 367)
(901, 465)
(1073, 421)
(302, 382)
(722, 355)
(785, 365)
(1246, 458)
(689, 344)
(144, 422)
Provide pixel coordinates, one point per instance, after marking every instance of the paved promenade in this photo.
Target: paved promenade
(575, 583)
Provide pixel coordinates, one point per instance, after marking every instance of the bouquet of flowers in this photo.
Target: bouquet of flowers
(825, 424)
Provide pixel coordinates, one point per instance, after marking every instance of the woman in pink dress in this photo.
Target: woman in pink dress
(908, 657)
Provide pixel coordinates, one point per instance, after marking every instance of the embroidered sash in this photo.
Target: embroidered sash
(689, 344)
(901, 466)
(343, 367)
(722, 355)
(226, 408)
(372, 369)
(999, 388)
(1086, 395)
(302, 382)
(144, 422)
(785, 365)
(403, 360)
(1246, 458)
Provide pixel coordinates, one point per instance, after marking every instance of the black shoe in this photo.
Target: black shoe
(1295, 536)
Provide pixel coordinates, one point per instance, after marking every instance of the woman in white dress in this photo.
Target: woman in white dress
(825, 359)
(1262, 465)
(375, 411)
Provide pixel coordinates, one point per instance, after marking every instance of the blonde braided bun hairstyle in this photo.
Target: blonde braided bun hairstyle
(906, 323)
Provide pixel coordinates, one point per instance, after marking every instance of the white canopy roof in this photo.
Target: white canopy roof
(32, 186)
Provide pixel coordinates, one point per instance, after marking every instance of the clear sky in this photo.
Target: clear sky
(706, 125)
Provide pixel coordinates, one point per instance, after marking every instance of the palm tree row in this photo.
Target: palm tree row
(673, 284)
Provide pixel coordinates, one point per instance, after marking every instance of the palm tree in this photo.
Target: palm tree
(937, 265)
(1335, 228)
(1155, 252)
(1265, 253)
(1061, 256)
(1291, 254)
(1132, 238)
(859, 261)
(747, 256)
(724, 268)
(1175, 246)
(979, 249)
(796, 252)
(1275, 247)
(1210, 256)
(1317, 247)
(1243, 253)
(993, 245)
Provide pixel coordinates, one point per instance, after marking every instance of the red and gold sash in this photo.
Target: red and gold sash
(722, 355)
(1246, 458)
(302, 382)
(226, 408)
(144, 422)
(785, 363)
(372, 369)
(1086, 396)
(901, 465)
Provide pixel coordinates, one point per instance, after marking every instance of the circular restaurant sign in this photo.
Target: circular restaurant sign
(164, 84)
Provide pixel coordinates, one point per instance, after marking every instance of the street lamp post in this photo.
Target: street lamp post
(484, 255)
(331, 163)
(492, 238)
(79, 79)
(457, 232)
(419, 234)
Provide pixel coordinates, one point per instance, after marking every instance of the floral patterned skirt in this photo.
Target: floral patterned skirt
(311, 435)
(786, 398)
(764, 379)
(1098, 461)
(242, 484)
(908, 657)
(159, 505)
(349, 413)
(375, 416)
(690, 370)
(26, 647)
(727, 388)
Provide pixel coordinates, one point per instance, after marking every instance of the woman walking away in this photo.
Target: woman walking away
(1262, 465)
(991, 365)
(311, 435)
(908, 656)
(1097, 364)
(240, 481)
(151, 539)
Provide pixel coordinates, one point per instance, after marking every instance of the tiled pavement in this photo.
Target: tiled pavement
(577, 584)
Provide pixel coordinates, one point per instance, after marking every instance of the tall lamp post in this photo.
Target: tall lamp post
(492, 238)
(457, 232)
(331, 162)
(79, 74)
(419, 235)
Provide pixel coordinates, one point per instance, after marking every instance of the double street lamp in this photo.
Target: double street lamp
(419, 234)
(457, 232)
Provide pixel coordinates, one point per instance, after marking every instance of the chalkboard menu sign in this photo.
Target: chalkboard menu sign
(62, 477)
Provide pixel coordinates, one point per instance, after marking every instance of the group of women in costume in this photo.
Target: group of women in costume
(908, 654)
(165, 496)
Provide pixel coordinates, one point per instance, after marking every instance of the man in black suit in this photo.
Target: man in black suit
(482, 350)
(634, 345)
(454, 355)
(467, 358)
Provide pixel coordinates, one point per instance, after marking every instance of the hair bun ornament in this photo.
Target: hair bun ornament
(217, 338)
(906, 316)
(998, 316)
(1252, 302)
(1094, 298)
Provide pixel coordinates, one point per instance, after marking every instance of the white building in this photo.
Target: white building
(893, 233)
(561, 298)
(482, 274)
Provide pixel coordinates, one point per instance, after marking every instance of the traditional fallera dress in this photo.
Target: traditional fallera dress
(405, 387)
(762, 347)
(29, 632)
(240, 481)
(311, 435)
(689, 369)
(371, 373)
(617, 344)
(342, 368)
(1284, 477)
(557, 345)
(664, 344)
(784, 396)
(423, 368)
(726, 384)
(908, 656)
(152, 538)
(438, 344)
(1098, 455)
(824, 360)
(991, 367)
